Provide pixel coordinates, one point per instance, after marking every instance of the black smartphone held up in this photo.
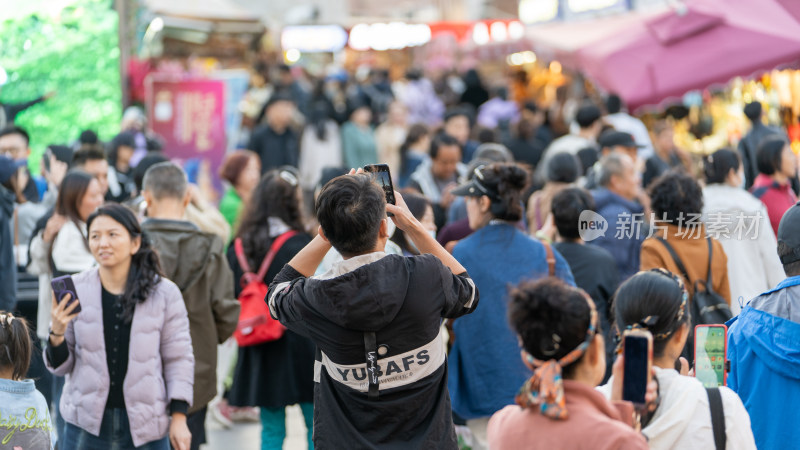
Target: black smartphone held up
(638, 354)
(63, 286)
(710, 347)
(384, 179)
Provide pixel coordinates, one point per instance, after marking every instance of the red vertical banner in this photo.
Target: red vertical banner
(189, 114)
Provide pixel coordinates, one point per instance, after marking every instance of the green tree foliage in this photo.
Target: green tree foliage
(73, 52)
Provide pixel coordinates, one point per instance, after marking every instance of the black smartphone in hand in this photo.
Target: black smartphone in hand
(383, 178)
(63, 286)
(638, 354)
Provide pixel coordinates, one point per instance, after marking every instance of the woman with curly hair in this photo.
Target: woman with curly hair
(677, 202)
(483, 378)
(280, 373)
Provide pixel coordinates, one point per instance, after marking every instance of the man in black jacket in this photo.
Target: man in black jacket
(275, 141)
(748, 146)
(376, 319)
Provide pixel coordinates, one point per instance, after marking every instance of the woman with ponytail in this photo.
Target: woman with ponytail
(127, 354)
(740, 222)
(482, 378)
(657, 301)
(18, 397)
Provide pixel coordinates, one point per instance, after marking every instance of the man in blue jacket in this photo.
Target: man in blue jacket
(615, 200)
(764, 349)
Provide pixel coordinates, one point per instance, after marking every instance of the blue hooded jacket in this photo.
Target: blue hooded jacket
(764, 353)
(486, 369)
(625, 233)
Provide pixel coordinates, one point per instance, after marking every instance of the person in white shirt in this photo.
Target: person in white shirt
(618, 118)
(656, 300)
(741, 224)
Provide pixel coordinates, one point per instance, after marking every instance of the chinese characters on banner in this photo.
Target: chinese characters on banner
(189, 114)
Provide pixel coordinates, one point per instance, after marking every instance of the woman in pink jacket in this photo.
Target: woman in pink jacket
(559, 406)
(127, 355)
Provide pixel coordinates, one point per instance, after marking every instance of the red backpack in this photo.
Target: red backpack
(256, 326)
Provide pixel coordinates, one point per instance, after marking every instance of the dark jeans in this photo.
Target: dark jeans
(115, 434)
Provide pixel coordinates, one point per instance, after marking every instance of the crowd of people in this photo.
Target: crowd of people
(484, 311)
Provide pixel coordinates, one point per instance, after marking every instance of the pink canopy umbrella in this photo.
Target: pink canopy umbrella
(692, 47)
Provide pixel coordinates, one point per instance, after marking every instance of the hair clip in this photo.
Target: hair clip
(6, 318)
(556, 345)
(288, 177)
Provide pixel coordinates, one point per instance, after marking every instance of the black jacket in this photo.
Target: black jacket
(275, 150)
(399, 302)
(8, 268)
(748, 149)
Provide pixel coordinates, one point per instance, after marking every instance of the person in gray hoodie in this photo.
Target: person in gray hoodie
(195, 261)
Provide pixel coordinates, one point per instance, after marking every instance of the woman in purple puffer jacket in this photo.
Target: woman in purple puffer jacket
(127, 355)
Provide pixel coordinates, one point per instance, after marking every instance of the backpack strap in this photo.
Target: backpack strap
(676, 258)
(273, 250)
(551, 259)
(717, 417)
(709, 284)
(262, 270)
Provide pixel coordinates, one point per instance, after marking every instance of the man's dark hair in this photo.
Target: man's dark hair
(588, 156)
(676, 197)
(753, 111)
(88, 137)
(791, 269)
(84, 155)
(350, 209)
(563, 168)
(567, 207)
(149, 160)
(459, 111)
(13, 129)
(587, 115)
(440, 141)
(613, 104)
(770, 154)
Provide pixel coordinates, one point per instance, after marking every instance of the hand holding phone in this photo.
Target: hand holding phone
(710, 359)
(638, 360)
(65, 287)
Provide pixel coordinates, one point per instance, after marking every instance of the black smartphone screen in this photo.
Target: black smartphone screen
(63, 286)
(634, 385)
(384, 179)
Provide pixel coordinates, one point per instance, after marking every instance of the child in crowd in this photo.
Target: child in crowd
(24, 417)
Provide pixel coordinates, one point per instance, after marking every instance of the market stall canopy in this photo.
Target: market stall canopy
(202, 9)
(562, 40)
(692, 47)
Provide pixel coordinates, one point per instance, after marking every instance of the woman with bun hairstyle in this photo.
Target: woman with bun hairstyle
(127, 355)
(656, 300)
(559, 330)
(483, 378)
(740, 223)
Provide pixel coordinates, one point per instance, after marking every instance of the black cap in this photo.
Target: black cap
(475, 187)
(613, 138)
(587, 115)
(789, 233)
